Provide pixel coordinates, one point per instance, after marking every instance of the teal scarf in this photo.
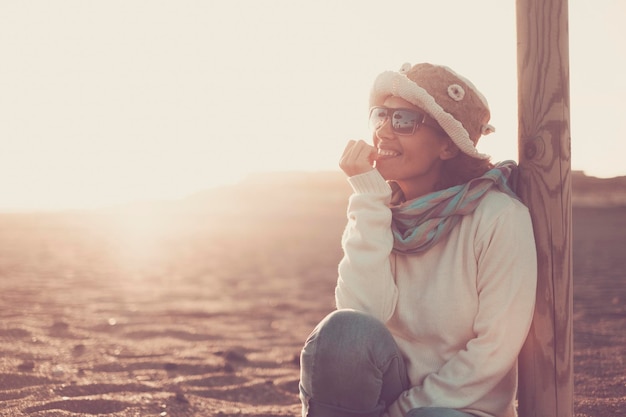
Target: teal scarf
(418, 224)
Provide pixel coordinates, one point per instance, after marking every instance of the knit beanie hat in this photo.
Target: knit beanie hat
(452, 100)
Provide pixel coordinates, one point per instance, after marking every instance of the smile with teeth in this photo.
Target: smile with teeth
(387, 153)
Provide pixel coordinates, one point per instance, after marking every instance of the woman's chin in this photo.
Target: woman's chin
(384, 170)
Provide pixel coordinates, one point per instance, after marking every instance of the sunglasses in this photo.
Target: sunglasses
(403, 121)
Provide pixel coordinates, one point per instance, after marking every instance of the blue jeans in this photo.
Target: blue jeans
(351, 367)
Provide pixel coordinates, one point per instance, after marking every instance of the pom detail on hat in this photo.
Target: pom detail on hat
(456, 92)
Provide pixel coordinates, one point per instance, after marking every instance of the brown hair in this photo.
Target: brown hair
(461, 169)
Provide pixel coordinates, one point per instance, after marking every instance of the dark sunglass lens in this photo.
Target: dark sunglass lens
(404, 121)
(378, 115)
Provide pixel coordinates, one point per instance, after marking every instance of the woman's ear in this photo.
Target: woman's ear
(449, 150)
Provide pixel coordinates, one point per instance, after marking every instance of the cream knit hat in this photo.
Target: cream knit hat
(452, 100)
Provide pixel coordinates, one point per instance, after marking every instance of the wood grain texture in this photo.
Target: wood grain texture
(546, 361)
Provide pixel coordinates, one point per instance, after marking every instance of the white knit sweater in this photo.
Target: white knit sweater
(459, 312)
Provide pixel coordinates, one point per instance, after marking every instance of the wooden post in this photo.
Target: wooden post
(546, 361)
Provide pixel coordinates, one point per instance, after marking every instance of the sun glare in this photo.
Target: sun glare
(107, 105)
(137, 234)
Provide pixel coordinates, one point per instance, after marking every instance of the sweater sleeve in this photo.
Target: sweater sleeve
(506, 283)
(365, 281)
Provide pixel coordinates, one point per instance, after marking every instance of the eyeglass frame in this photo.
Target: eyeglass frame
(425, 120)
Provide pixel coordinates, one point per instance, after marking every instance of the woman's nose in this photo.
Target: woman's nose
(384, 131)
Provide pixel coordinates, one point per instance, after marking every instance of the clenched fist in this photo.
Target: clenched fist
(358, 157)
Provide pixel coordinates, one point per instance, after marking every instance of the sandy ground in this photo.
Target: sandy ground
(200, 314)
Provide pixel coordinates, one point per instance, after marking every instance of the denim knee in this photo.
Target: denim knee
(350, 336)
(348, 361)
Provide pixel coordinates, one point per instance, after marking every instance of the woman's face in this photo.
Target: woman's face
(413, 161)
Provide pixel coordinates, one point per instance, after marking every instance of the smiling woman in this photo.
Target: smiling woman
(429, 320)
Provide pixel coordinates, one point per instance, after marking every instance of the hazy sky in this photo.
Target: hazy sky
(110, 101)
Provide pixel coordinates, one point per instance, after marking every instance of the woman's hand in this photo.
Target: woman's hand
(358, 157)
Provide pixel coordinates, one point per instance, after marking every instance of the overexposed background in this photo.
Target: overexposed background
(103, 102)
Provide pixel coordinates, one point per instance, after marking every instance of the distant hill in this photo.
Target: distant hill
(321, 195)
(598, 192)
(267, 193)
(330, 190)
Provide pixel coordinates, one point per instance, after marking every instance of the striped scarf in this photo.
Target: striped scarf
(418, 224)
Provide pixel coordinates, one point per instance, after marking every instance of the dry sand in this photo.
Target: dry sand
(201, 308)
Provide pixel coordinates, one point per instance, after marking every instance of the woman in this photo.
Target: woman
(436, 288)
